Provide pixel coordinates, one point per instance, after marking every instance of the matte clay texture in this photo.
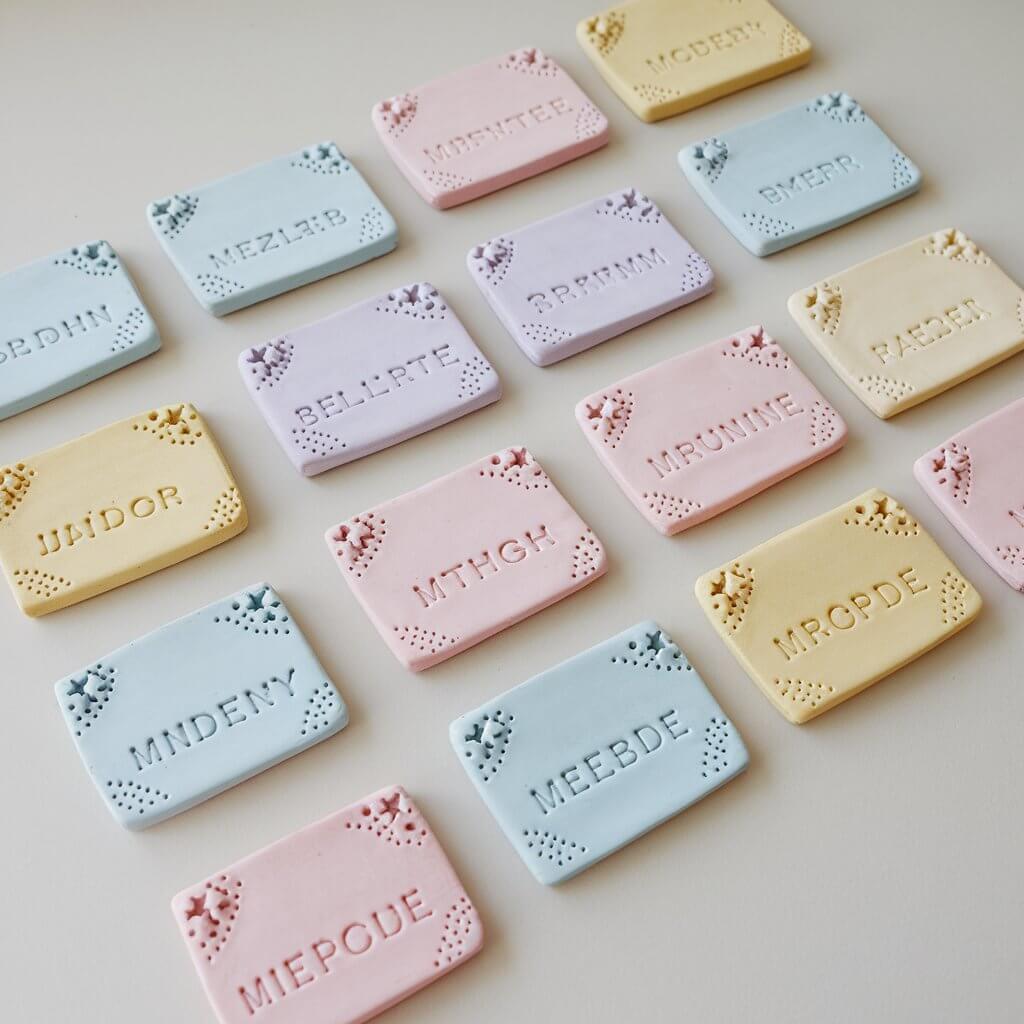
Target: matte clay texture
(66, 320)
(799, 173)
(271, 228)
(693, 436)
(114, 505)
(368, 377)
(587, 756)
(333, 924)
(197, 706)
(977, 480)
(443, 567)
(663, 57)
(907, 325)
(824, 610)
(479, 129)
(573, 280)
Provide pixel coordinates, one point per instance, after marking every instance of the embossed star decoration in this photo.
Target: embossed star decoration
(485, 734)
(256, 601)
(516, 457)
(173, 417)
(77, 687)
(728, 585)
(392, 805)
(395, 109)
(353, 537)
(196, 907)
(266, 358)
(256, 355)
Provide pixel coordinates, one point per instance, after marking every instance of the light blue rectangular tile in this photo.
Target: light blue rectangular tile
(592, 753)
(66, 320)
(199, 705)
(273, 227)
(784, 179)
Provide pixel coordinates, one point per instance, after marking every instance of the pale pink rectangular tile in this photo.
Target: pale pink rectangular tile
(484, 127)
(697, 434)
(443, 567)
(332, 924)
(977, 480)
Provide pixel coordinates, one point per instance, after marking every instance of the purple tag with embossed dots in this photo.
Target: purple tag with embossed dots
(368, 377)
(578, 278)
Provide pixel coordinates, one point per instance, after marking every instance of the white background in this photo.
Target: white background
(867, 866)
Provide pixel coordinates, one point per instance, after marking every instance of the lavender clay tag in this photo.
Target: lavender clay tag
(368, 377)
(567, 283)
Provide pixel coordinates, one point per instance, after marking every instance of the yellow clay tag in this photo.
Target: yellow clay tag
(114, 505)
(824, 610)
(913, 322)
(666, 56)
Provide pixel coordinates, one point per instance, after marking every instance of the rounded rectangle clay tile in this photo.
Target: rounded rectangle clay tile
(695, 435)
(566, 283)
(663, 57)
(977, 479)
(114, 505)
(332, 924)
(485, 127)
(67, 320)
(443, 567)
(793, 175)
(273, 227)
(368, 377)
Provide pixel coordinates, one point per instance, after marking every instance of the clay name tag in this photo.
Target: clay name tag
(114, 505)
(798, 173)
(693, 436)
(663, 57)
(592, 753)
(828, 608)
(907, 325)
(198, 705)
(368, 377)
(333, 924)
(481, 128)
(573, 280)
(67, 320)
(446, 566)
(271, 228)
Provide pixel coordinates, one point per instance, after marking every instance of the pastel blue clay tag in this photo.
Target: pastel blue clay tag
(592, 753)
(273, 227)
(199, 705)
(66, 320)
(799, 173)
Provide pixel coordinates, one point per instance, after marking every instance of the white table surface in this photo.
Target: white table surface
(866, 868)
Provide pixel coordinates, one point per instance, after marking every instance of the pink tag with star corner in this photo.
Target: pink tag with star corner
(332, 924)
(977, 480)
(693, 436)
(443, 567)
(482, 128)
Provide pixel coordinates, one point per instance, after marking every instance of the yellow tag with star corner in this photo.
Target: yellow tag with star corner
(114, 505)
(824, 610)
(914, 321)
(663, 57)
